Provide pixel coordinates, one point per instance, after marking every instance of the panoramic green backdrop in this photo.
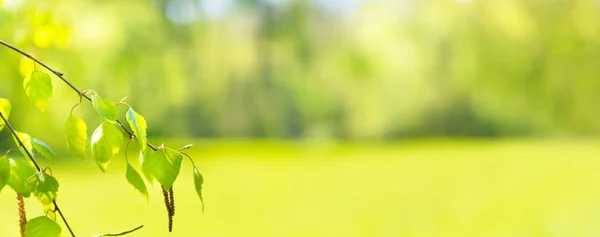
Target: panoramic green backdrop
(320, 68)
(325, 117)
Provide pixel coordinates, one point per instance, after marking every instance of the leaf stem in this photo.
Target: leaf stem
(188, 156)
(127, 148)
(123, 103)
(61, 76)
(14, 133)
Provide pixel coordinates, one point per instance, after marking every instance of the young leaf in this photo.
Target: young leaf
(4, 172)
(20, 171)
(106, 142)
(138, 125)
(38, 88)
(146, 169)
(198, 180)
(49, 210)
(42, 226)
(134, 178)
(164, 165)
(26, 139)
(43, 149)
(105, 108)
(76, 135)
(44, 187)
(5, 110)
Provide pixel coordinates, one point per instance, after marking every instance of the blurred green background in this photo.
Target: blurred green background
(327, 117)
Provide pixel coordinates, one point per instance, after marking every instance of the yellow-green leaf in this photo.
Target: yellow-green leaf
(26, 140)
(164, 165)
(198, 181)
(106, 141)
(146, 169)
(76, 135)
(4, 172)
(44, 187)
(138, 125)
(134, 178)
(43, 149)
(42, 226)
(105, 108)
(20, 172)
(38, 88)
(5, 110)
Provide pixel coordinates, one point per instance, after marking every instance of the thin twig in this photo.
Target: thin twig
(63, 217)
(120, 233)
(12, 130)
(61, 76)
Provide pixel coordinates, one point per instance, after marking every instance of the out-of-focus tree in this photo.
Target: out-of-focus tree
(322, 68)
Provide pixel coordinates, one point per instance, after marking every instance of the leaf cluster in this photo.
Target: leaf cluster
(26, 177)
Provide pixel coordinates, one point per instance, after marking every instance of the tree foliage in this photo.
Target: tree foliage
(26, 177)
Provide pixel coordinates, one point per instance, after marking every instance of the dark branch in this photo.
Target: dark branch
(60, 75)
(14, 133)
(120, 233)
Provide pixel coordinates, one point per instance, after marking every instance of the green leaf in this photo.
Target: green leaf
(105, 108)
(164, 165)
(43, 149)
(5, 110)
(146, 169)
(134, 178)
(38, 88)
(106, 141)
(76, 135)
(26, 140)
(42, 226)
(44, 187)
(49, 210)
(198, 180)
(138, 125)
(4, 172)
(20, 172)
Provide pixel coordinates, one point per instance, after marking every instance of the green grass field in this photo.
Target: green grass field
(428, 188)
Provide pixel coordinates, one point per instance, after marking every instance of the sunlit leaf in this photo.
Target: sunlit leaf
(138, 125)
(134, 178)
(44, 187)
(26, 140)
(76, 135)
(50, 211)
(105, 108)
(38, 88)
(4, 172)
(5, 110)
(164, 165)
(146, 169)
(20, 172)
(26, 66)
(42, 226)
(198, 181)
(106, 141)
(43, 149)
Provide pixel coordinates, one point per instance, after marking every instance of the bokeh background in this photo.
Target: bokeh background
(327, 117)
